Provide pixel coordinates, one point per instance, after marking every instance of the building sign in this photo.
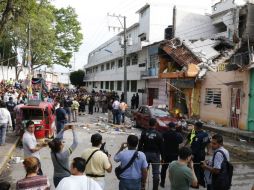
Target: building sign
(183, 83)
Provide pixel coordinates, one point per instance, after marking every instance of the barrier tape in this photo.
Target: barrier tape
(236, 163)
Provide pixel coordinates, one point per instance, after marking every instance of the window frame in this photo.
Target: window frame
(213, 96)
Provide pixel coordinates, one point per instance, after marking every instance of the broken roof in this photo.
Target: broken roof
(179, 52)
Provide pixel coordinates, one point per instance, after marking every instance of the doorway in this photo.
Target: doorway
(235, 110)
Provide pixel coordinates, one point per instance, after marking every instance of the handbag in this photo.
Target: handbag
(119, 170)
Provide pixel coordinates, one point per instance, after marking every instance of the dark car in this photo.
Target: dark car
(144, 113)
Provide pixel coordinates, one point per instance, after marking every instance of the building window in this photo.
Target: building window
(133, 86)
(213, 96)
(102, 67)
(128, 61)
(134, 60)
(107, 85)
(128, 85)
(112, 65)
(107, 66)
(120, 63)
(111, 85)
(94, 85)
(102, 84)
(154, 61)
(119, 85)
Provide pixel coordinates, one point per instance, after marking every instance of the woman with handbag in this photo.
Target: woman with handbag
(60, 157)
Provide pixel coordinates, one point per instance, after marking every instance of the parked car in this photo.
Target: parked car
(144, 113)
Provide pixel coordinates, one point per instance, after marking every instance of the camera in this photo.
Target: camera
(103, 149)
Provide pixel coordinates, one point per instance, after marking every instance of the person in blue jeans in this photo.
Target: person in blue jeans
(134, 177)
(5, 120)
(61, 118)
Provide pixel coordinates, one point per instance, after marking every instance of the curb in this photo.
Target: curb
(240, 152)
(7, 157)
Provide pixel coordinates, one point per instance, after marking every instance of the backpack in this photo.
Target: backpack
(223, 180)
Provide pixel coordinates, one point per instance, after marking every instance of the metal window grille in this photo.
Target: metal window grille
(213, 96)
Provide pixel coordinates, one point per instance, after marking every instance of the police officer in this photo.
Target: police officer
(199, 140)
(171, 139)
(10, 105)
(151, 143)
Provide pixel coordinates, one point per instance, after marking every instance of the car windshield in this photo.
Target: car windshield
(159, 113)
(32, 114)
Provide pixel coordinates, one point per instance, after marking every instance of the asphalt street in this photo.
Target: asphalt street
(242, 179)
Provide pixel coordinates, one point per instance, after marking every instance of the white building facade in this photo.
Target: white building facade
(105, 70)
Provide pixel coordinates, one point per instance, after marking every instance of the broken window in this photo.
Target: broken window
(213, 96)
(221, 27)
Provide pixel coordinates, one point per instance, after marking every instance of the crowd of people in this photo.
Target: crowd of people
(135, 156)
(186, 161)
(74, 102)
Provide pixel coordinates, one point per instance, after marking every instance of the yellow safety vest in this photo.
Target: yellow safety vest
(192, 136)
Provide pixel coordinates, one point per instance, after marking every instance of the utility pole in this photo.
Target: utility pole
(123, 26)
(174, 21)
(29, 61)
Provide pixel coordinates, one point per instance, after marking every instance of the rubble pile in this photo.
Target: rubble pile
(101, 125)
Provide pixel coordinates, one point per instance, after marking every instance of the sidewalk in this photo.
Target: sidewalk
(7, 149)
(238, 142)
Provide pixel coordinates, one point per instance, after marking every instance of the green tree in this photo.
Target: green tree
(68, 35)
(55, 33)
(76, 78)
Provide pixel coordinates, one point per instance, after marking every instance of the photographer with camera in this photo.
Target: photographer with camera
(59, 156)
(97, 161)
(181, 172)
(133, 168)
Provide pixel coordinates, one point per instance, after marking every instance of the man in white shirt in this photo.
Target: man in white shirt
(5, 119)
(30, 145)
(78, 181)
(116, 111)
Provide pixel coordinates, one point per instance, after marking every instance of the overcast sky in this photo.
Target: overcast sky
(94, 21)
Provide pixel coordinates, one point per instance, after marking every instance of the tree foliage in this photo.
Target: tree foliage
(76, 78)
(55, 33)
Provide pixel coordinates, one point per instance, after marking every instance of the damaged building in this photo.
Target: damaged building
(212, 77)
